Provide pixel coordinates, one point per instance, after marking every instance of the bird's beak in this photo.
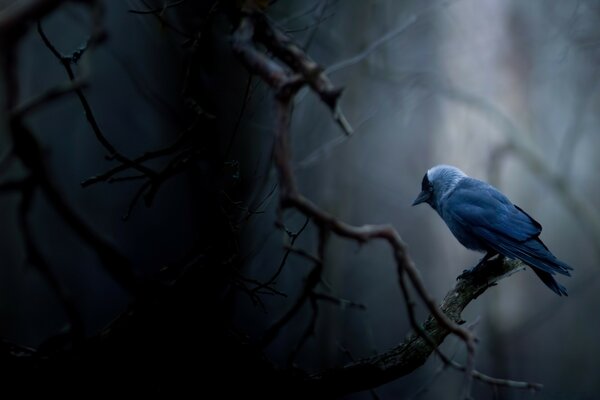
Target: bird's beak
(421, 198)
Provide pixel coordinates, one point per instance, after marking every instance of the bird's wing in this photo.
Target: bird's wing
(492, 218)
(476, 204)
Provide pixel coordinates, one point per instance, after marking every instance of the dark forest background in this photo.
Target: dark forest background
(505, 90)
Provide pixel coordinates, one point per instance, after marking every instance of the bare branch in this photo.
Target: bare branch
(302, 253)
(238, 121)
(415, 350)
(158, 10)
(410, 21)
(288, 249)
(319, 17)
(257, 26)
(308, 331)
(372, 47)
(150, 155)
(447, 361)
(159, 16)
(134, 200)
(500, 382)
(36, 259)
(309, 289)
(113, 153)
(312, 280)
(27, 149)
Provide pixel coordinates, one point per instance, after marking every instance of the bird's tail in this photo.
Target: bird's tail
(535, 254)
(543, 254)
(550, 282)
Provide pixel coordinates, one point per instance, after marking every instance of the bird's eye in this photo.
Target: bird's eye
(426, 186)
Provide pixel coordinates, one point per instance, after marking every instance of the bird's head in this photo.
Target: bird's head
(437, 183)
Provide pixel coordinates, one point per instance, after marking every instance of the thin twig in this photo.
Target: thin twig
(47, 97)
(300, 14)
(238, 121)
(342, 303)
(288, 250)
(302, 253)
(126, 178)
(499, 382)
(309, 288)
(312, 280)
(318, 19)
(410, 21)
(372, 47)
(308, 331)
(255, 209)
(134, 200)
(158, 10)
(147, 156)
(163, 22)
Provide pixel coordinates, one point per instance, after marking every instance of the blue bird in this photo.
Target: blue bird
(485, 220)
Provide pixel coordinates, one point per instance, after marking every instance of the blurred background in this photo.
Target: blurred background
(505, 90)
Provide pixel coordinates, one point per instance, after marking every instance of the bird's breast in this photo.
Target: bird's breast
(464, 235)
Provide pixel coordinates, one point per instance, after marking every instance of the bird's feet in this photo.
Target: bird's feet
(480, 265)
(466, 273)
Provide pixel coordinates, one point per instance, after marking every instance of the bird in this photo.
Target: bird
(485, 220)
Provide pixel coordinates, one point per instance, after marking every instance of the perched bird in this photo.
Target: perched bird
(485, 220)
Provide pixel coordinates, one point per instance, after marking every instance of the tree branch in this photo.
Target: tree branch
(415, 350)
(256, 26)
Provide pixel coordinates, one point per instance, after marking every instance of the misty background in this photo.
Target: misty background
(505, 90)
